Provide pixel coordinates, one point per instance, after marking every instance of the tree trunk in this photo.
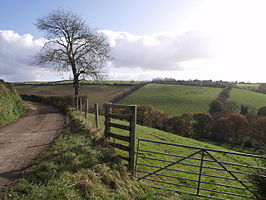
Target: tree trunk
(76, 85)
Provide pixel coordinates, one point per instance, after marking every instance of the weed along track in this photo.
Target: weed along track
(23, 141)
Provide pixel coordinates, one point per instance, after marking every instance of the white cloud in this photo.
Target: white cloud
(15, 57)
(163, 51)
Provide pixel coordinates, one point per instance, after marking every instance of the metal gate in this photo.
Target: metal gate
(202, 172)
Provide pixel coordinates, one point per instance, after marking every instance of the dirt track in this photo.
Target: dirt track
(25, 140)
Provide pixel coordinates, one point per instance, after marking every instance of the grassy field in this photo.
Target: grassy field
(245, 97)
(95, 93)
(154, 134)
(248, 86)
(174, 99)
(11, 105)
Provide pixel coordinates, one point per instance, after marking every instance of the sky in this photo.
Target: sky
(181, 39)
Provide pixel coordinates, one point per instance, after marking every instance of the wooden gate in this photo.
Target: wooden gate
(123, 114)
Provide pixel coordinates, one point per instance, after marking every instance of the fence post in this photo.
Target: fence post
(132, 139)
(107, 119)
(86, 108)
(77, 102)
(80, 104)
(96, 115)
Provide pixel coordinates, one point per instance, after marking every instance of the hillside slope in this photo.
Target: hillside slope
(174, 99)
(245, 97)
(11, 105)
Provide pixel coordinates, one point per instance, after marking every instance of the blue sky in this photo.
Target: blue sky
(183, 39)
(134, 16)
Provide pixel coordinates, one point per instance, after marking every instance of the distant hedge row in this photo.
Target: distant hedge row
(220, 126)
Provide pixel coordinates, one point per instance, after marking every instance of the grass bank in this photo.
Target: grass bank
(11, 105)
(80, 165)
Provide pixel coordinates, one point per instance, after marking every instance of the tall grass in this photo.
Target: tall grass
(11, 105)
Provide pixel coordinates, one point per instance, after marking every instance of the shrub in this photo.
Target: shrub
(258, 130)
(173, 125)
(224, 94)
(244, 109)
(232, 106)
(238, 128)
(201, 122)
(233, 128)
(186, 124)
(216, 106)
(152, 117)
(262, 111)
(221, 129)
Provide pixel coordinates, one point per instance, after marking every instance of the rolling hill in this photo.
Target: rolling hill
(245, 97)
(174, 99)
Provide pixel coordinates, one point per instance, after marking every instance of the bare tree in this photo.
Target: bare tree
(72, 45)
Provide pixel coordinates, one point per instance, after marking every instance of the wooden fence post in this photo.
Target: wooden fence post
(77, 102)
(96, 115)
(107, 119)
(132, 139)
(80, 104)
(86, 108)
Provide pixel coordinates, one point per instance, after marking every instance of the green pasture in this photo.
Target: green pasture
(245, 97)
(248, 86)
(174, 99)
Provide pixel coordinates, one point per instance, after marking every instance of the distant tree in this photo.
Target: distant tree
(258, 130)
(201, 122)
(72, 45)
(238, 128)
(216, 106)
(173, 125)
(186, 124)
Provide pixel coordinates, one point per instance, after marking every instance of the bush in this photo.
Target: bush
(152, 117)
(173, 125)
(238, 128)
(201, 122)
(258, 130)
(232, 106)
(244, 109)
(233, 128)
(186, 124)
(216, 106)
(262, 111)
